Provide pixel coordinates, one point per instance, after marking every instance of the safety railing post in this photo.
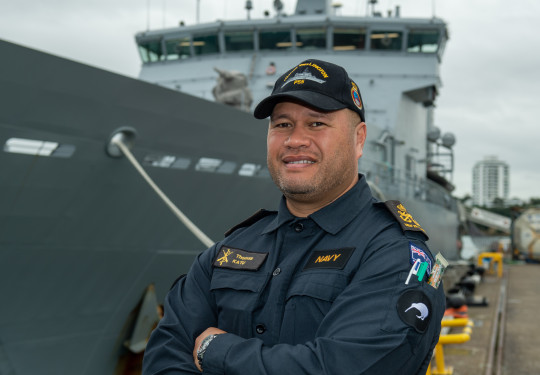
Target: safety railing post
(453, 338)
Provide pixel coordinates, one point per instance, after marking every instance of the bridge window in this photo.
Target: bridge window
(349, 39)
(205, 44)
(386, 40)
(275, 40)
(239, 41)
(425, 41)
(150, 51)
(311, 38)
(177, 48)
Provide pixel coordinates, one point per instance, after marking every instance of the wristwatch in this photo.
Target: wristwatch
(202, 348)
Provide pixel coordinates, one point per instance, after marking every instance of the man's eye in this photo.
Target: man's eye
(282, 125)
(317, 124)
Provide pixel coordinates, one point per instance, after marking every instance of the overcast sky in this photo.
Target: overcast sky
(491, 68)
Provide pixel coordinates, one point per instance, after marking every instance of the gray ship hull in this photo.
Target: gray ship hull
(83, 236)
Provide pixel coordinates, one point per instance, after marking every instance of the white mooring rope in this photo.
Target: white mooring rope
(117, 140)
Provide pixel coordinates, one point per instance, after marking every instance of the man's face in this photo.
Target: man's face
(312, 155)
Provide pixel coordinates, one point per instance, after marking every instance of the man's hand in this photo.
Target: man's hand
(198, 340)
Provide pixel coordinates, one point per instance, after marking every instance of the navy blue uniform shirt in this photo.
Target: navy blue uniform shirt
(324, 294)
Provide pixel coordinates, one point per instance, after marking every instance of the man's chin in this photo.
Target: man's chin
(297, 191)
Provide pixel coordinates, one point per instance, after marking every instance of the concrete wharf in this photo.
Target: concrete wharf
(505, 338)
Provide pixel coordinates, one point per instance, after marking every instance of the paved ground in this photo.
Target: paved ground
(520, 352)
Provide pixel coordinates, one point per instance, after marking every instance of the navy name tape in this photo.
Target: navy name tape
(237, 259)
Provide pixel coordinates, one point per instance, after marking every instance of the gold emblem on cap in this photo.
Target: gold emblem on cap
(356, 96)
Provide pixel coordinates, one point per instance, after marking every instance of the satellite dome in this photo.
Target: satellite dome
(448, 139)
(433, 134)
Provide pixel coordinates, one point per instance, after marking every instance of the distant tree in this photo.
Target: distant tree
(534, 201)
(498, 202)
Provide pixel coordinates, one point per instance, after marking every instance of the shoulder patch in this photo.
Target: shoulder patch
(414, 309)
(405, 219)
(250, 220)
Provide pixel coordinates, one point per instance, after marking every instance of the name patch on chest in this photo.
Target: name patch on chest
(334, 259)
(237, 259)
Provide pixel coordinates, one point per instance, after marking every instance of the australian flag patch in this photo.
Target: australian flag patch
(418, 253)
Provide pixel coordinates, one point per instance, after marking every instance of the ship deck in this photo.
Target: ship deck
(506, 334)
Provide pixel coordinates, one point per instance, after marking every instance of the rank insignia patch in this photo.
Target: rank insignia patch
(405, 219)
(414, 309)
(237, 259)
(418, 253)
(334, 259)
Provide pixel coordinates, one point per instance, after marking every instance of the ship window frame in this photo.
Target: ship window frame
(391, 33)
(413, 31)
(238, 31)
(356, 46)
(323, 32)
(38, 147)
(286, 45)
(144, 52)
(196, 45)
(184, 41)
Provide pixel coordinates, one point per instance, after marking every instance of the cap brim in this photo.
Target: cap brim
(311, 99)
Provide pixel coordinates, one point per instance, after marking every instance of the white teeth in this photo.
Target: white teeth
(301, 162)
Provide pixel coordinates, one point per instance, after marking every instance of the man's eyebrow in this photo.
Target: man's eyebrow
(286, 116)
(280, 116)
(318, 114)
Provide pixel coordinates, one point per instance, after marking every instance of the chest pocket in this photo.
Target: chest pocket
(236, 294)
(309, 299)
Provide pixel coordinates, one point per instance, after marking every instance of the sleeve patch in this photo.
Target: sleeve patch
(417, 253)
(414, 309)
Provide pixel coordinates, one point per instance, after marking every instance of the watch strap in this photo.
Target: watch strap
(202, 348)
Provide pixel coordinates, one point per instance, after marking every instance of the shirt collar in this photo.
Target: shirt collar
(281, 218)
(333, 217)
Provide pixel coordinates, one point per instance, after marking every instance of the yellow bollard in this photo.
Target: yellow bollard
(495, 258)
(453, 338)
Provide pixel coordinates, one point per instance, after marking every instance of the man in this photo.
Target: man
(322, 285)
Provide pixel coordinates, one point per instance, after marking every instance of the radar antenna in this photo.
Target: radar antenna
(249, 6)
(278, 6)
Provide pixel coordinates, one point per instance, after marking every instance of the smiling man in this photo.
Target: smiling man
(322, 286)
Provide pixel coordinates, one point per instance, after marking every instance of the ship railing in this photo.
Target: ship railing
(395, 182)
(447, 339)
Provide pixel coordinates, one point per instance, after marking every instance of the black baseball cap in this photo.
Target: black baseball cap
(316, 83)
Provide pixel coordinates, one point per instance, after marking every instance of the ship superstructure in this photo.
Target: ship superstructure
(394, 60)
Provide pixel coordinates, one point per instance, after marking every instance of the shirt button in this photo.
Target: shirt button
(276, 271)
(299, 227)
(260, 329)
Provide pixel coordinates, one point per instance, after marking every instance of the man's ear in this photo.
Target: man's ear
(361, 133)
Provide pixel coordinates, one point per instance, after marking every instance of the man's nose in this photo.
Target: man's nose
(298, 137)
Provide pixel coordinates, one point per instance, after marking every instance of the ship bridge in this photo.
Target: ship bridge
(183, 58)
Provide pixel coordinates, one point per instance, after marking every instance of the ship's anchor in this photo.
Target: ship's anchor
(119, 144)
